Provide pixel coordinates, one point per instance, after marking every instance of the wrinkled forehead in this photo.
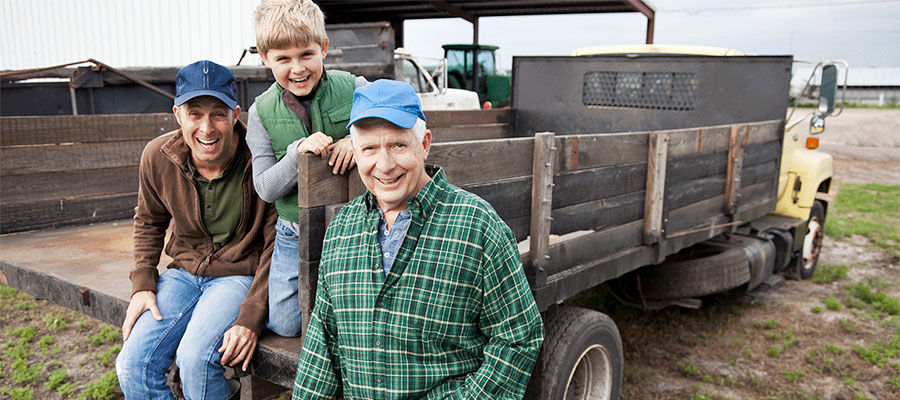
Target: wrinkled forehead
(377, 128)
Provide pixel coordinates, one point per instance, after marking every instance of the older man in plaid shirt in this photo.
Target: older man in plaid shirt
(421, 293)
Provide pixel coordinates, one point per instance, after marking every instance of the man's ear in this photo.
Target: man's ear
(175, 111)
(265, 59)
(237, 113)
(426, 142)
(325, 48)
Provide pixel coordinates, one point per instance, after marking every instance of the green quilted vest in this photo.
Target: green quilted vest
(329, 114)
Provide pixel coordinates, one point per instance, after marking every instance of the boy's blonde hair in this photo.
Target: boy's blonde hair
(280, 24)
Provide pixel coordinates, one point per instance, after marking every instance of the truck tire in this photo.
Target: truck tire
(581, 357)
(700, 270)
(805, 266)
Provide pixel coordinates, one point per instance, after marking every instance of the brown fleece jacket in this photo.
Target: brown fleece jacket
(168, 193)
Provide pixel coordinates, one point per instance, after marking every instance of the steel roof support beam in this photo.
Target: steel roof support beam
(641, 7)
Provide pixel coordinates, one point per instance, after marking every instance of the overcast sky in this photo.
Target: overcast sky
(122, 33)
(862, 32)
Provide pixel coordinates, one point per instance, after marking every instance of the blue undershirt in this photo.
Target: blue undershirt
(390, 240)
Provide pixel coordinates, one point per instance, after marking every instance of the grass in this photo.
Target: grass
(833, 303)
(879, 300)
(107, 333)
(102, 389)
(830, 273)
(871, 210)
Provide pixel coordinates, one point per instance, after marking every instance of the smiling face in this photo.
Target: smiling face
(391, 162)
(297, 69)
(207, 127)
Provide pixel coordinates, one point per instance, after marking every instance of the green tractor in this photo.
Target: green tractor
(474, 67)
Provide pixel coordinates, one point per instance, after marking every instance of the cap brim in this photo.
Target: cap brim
(403, 119)
(231, 103)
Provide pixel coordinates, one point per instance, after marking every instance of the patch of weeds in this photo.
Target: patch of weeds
(56, 379)
(789, 339)
(833, 303)
(748, 352)
(849, 381)
(879, 300)
(107, 333)
(830, 273)
(24, 373)
(25, 305)
(861, 396)
(109, 355)
(736, 342)
(25, 333)
(812, 355)
(738, 311)
(773, 352)
(854, 302)
(834, 349)
(870, 210)
(770, 324)
(895, 380)
(6, 291)
(45, 342)
(702, 396)
(22, 393)
(792, 376)
(104, 389)
(689, 368)
(817, 309)
(82, 325)
(65, 390)
(848, 325)
(55, 322)
(880, 352)
(772, 335)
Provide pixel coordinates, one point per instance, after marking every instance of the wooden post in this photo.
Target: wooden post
(541, 206)
(733, 176)
(658, 149)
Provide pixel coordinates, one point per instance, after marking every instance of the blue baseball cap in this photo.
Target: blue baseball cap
(205, 78)
(393, 101)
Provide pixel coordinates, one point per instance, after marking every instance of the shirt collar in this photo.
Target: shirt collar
(426, 199)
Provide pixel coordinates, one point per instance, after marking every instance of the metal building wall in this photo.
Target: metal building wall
(124, 33)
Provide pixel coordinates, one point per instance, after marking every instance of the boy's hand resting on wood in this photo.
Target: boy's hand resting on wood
(341, 156)
(318, 143)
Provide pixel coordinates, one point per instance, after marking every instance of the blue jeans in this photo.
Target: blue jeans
(196, 313)
(284, 305)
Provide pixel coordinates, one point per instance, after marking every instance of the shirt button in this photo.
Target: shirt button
(378, 380)
(377, 343)
(209, 189)
(387, 254)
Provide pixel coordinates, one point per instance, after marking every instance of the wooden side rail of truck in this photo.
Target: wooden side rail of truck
(604, 168)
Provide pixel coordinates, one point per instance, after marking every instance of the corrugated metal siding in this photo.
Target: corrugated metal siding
(124, 33)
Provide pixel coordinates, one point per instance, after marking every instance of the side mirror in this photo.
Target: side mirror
(816, 125)
(827, 90)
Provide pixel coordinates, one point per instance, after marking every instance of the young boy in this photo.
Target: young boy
(305, 111)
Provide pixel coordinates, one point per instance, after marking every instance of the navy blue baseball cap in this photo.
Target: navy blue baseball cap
(205, 78)
(389, 100)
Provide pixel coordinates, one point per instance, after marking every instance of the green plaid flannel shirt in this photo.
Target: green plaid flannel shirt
(455, 317)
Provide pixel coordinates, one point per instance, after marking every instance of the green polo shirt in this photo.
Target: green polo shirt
(220, 200)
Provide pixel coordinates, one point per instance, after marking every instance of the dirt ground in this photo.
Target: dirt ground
(765, 345)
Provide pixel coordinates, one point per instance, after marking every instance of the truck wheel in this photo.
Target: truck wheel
(581, 358)
(699, 270)
(812, 242)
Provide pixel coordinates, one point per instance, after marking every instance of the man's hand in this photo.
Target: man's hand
(140, 302)
(238, 344)
(318, 143)
(341, 156)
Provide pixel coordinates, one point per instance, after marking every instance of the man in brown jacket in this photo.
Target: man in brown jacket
(208, 308)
